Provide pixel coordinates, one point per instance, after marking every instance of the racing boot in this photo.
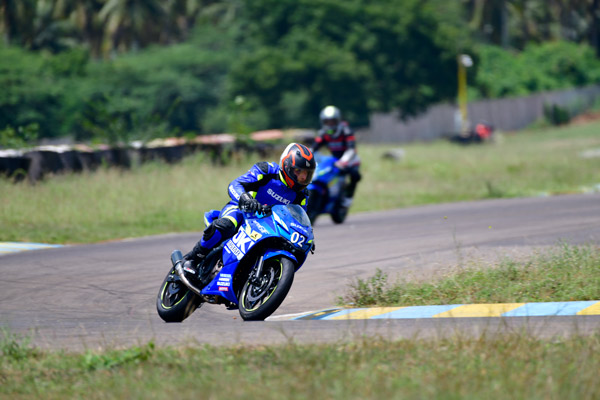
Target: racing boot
(192, 261)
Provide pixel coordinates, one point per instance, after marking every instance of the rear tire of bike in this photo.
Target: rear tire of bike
(175, 302)
(260, 299)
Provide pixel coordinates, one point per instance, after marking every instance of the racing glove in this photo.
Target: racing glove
(248, 203)
(341, 164)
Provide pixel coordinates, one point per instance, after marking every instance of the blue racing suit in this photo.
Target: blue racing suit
(264, 181)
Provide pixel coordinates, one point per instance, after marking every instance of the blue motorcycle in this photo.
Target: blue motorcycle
(327, 190)
(252, 272)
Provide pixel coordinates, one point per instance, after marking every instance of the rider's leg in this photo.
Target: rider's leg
(355, 177)
(218, 231)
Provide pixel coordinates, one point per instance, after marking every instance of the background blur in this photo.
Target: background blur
(120, 70)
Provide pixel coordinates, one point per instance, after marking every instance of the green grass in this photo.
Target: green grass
(517, 366)
(110, 203)
(157, 198)
(566, 273)
(521, 164)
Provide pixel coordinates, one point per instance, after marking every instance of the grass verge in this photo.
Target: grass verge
(157, 198)
(516, 366)
(565, 273)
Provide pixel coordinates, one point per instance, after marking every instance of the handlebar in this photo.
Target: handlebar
(264, 209)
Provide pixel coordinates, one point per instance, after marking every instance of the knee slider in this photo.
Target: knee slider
(225, 226)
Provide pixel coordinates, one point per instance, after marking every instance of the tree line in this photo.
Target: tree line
(115, 70)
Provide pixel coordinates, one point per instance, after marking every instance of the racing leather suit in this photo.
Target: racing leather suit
(342, 145)
(264, 182)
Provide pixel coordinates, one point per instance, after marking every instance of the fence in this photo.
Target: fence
(504, 114)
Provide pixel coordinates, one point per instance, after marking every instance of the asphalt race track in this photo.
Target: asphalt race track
(103, 295)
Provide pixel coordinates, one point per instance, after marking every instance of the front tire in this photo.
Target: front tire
(261, 296)
(339, 213)
(175, 302)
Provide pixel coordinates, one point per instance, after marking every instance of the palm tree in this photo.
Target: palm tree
(17, 20)
(520, 21)
(594, 33)
(10, 19)
(131, 23)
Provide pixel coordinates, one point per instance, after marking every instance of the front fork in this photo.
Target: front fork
(255, 275)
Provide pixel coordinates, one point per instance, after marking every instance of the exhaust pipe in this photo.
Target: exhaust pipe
(176, 259)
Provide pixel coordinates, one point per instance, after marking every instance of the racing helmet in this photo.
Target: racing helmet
(298, 165)
(330, 118)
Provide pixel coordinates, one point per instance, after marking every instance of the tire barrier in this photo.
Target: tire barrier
(39, 162)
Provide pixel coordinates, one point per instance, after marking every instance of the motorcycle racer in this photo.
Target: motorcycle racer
(339, 138)
(266, 183)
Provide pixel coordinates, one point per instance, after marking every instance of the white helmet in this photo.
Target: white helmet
(330, 118)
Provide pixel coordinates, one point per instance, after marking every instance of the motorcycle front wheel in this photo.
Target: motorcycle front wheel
(261, 295)
(339, 213)
(314, 205)
(175, 302)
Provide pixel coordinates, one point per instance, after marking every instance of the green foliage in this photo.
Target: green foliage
(369, 291)
(163, 91)
(285, 58)
(14, 348)
(556, 114)
(20, 137)
(359, 55)
(540, 67)
(30, 93)
(93, 361)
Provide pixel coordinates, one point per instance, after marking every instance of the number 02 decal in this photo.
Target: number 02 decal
(298, 238)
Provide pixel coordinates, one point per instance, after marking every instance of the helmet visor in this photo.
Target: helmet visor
(303, 176)
(330, 122)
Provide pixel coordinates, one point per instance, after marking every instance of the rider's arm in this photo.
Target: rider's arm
(301, 199)
(350, 145)
(251, 181)
(318, 143)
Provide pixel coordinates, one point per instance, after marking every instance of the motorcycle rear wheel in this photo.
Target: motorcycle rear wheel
(261, 296)
(175, 302)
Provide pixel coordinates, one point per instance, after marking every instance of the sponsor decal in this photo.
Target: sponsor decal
(234, 193)
(255, 235)
(260, 228)
(240, 244)
(224, 281)
(279, 220)
(252, 234)
(278, 197)
(231, 248)
(299, 227)
(223, 289)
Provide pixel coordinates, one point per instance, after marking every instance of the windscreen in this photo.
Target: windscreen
(298, 214)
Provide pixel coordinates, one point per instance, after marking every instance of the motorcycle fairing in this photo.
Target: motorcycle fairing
(280, 223)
